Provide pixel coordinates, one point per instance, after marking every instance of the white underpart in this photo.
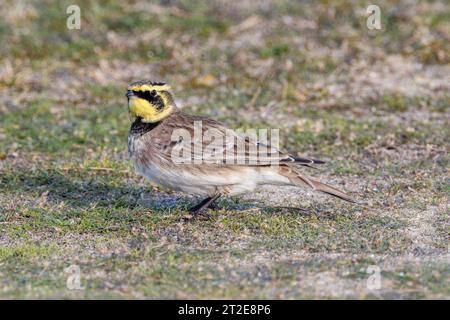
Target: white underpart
(232, 183)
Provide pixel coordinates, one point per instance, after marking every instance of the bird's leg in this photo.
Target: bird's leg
(205, 204)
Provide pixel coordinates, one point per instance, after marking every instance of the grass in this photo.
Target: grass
(374, 105)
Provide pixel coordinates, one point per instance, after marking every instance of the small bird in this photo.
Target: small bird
(172, 149)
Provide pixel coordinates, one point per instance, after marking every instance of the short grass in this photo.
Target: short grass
(374, 104)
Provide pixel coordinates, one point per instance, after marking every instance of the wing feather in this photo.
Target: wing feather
(218, 144)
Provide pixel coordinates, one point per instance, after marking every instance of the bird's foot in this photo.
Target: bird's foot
(197, 215)
(200, 209)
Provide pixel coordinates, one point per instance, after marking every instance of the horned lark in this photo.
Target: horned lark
(161, 132)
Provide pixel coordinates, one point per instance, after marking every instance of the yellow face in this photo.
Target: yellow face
(149, 100)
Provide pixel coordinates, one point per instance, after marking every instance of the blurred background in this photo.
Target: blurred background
(374, 103)
(269, 62)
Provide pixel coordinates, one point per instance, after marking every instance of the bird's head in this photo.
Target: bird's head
(150, 100)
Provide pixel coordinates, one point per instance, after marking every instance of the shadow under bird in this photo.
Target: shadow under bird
(153, 141)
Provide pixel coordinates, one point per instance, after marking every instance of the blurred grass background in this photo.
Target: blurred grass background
(374, 103)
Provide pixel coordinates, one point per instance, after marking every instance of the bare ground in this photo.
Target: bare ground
(374, 104)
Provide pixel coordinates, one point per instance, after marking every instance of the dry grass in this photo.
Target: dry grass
(375, 104)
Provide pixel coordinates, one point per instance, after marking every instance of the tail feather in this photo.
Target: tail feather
(319, 186)
(299, 179)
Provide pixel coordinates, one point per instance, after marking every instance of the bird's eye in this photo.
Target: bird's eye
(153, 92)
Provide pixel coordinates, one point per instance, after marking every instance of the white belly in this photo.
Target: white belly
(179, 179)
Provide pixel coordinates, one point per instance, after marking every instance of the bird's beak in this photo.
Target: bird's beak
(129, 94)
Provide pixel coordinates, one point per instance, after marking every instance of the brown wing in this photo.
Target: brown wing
(194, 139)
